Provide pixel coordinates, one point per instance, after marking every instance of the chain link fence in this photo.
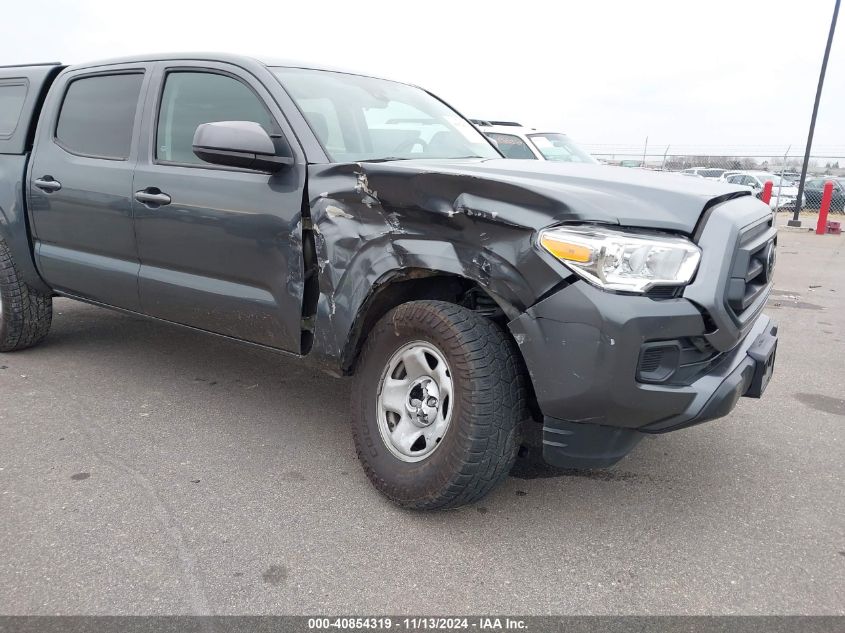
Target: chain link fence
(750, 168)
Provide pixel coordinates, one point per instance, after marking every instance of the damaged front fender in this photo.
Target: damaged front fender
(370, 225)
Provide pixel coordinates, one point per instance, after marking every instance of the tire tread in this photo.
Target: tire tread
(27, 313)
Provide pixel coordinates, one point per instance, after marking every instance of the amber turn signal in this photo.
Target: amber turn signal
(566, 250)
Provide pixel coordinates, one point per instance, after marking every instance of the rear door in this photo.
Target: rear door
(224, 252)
(80, 184)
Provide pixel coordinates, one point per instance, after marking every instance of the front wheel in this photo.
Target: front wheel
(439, 398)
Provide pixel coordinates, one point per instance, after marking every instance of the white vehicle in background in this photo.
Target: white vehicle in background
(520, 142)
(710, 173)
(756, 180)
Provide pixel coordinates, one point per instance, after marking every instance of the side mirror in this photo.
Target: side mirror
(241, 144)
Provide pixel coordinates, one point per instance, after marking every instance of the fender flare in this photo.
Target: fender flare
(14, 225)
(388, 259)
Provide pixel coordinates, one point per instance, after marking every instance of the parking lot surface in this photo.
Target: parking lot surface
(146, 468)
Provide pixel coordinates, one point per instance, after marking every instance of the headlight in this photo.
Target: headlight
(615, 260)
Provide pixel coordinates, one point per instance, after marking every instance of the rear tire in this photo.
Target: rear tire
(25, 313)
(478, 400)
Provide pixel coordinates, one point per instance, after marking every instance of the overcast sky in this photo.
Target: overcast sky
(708, 73)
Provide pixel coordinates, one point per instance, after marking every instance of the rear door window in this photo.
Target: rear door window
(12, 97)
(98, 115)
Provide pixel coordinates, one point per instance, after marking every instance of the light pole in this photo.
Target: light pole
(798, 202)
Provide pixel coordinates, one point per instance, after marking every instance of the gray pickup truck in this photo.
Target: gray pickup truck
(494, 314)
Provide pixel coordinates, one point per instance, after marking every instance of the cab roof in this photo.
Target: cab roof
(245, 61)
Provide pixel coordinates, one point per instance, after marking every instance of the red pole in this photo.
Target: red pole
(766, 196)
(821, 225)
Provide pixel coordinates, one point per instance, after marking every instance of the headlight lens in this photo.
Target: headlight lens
(628, 262)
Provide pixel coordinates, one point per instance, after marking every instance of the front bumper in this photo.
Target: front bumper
(584, 351)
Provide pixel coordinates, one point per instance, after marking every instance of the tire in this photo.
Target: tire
(25, 314)
(488, 402)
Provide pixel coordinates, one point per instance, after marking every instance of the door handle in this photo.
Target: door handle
(47, 183)
(152, 196)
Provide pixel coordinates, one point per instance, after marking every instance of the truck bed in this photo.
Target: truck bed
(22, 90)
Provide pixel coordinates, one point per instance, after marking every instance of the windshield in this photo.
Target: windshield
(512, 146)
(561, 148)
(360, 118)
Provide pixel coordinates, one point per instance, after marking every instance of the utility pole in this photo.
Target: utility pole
(798, 202)
(645, 147)
(663, 164)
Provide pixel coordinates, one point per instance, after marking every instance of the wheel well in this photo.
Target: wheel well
(415, 285)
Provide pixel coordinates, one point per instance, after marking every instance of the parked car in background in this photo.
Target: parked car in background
(711, 173)
(813, 190)
(756, 180)
(517, 141)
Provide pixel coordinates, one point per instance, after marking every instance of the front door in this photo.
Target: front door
(220, 248)
(80, 187)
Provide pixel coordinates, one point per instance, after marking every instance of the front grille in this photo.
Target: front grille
(751, 272)
(728, 287)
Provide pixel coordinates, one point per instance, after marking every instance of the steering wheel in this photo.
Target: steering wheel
(407, 145)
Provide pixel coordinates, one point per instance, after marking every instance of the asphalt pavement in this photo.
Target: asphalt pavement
(146, 468)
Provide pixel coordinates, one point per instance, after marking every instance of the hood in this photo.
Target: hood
(537, 194)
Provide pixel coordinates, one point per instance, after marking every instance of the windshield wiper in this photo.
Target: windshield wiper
(390, 158)
(383, 160)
